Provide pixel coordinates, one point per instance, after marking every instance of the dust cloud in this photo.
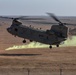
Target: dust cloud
(68, 42)
(30, 45)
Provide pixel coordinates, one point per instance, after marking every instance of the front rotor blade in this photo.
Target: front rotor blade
(6, 17)
(39, 22)
(32, 18)
(22, 18)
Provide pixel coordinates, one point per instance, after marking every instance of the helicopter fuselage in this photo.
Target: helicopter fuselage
(46, 37)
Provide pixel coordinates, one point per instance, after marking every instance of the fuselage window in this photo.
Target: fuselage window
(47, 37)
(16, 29)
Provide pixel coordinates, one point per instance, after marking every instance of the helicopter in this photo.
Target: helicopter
(54, 36)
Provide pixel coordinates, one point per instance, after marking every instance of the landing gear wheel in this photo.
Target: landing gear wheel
(57, 45)
(30, 40)
(50, 47)
(24, 41)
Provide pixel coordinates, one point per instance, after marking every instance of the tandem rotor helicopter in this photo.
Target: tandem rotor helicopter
(54, 36)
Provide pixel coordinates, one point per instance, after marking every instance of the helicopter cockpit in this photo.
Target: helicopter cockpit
(16, 22)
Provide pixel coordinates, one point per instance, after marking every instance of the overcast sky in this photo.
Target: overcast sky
(38, 7)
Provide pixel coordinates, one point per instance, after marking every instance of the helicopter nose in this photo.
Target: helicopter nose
(8, 29)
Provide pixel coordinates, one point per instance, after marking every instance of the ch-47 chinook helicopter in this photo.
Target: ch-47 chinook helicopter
(57, 34)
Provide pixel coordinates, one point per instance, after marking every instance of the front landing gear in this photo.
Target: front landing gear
(50, 47)
(24, 41)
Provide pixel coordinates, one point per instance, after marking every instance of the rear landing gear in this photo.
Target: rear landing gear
(57, 45)
(51, 46)
(31, 40)
(24, 41)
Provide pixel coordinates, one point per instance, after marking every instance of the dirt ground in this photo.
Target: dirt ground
(42, 61)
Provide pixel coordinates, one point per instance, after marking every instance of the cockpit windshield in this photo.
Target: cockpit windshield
(16, 22)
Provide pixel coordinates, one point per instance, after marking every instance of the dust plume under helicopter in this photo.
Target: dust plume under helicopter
(33, 45)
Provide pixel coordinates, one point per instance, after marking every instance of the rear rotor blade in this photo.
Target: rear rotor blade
(69, 24)
(54, 17)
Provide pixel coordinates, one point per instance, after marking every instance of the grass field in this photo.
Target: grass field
(39, 61)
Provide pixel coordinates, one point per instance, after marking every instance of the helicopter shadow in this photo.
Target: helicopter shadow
(19, 54)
